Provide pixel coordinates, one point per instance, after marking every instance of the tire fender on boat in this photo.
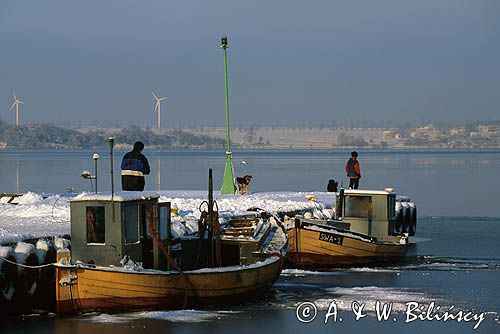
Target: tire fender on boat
(413, 219)
(406, 217)
(398, 223)
(8, 274)
(44, 297)
(29, 277)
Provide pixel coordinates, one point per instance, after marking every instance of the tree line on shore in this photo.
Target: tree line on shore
(47, 136)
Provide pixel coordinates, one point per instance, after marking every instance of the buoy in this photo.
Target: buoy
(311, 198)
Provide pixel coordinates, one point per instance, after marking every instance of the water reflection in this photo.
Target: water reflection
(158, 173)
(17, 176)
(441, 184)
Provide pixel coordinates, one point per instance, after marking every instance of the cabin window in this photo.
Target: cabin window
(131, 221)
(391, 207)
(358, 206)
(164, 209)
(95, 224)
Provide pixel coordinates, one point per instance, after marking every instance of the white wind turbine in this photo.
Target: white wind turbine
(158, 108)
(16, 104)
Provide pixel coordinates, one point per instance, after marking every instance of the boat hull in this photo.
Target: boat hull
(330, 249)
(86, 289)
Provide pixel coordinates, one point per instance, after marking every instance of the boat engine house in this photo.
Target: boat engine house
(105, 228)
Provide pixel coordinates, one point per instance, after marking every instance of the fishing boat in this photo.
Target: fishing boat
(367, 227)
(123, 257)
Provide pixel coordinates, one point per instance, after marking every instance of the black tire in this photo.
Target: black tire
(44, 297)
(399, 222)
(406, 219)
(28, 280)
(8, 277)
(413, 221)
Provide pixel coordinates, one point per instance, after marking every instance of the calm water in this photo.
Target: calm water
(441, 184)
(456, 263)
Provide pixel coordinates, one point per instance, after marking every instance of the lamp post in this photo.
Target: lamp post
(111, 141)
(228, 180)
(95, 157)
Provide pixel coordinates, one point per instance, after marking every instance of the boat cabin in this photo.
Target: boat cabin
(105, 228)
(370, 212)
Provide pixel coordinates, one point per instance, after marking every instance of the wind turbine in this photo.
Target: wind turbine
(16, 104)
(158, 108)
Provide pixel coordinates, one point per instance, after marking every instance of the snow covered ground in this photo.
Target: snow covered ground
(35, 216)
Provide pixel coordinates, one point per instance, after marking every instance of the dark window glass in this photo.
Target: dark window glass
(358, 206)
(391, 203)
(131, 223)
(164, 221)
(95, 224)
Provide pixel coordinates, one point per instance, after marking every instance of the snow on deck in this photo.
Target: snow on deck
(37, 217)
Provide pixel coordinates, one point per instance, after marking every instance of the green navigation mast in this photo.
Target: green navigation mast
(228, 181)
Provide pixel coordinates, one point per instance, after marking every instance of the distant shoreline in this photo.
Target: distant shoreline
(483, 137)
(256, 150)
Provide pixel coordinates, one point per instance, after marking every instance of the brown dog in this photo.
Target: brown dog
(243, 183)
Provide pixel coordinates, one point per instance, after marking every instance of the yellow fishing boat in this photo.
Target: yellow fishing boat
(367, 227)
(123, 257)
(83, 289)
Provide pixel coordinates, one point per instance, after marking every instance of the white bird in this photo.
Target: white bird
(158, 108)
(16, 104)
(243, 162)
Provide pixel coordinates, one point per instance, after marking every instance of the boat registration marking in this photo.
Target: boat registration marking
(334, 239)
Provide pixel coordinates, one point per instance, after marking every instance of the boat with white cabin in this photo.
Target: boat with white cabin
(366, 227)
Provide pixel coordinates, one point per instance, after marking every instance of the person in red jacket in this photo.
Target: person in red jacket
(353, 171)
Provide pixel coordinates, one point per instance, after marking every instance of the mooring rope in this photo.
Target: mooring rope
(25, 265)
(156, 239)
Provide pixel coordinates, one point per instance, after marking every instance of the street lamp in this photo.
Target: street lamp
(111, 141)
(228, 180)
(95, 157)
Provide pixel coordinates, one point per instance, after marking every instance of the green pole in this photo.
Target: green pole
(228, 181)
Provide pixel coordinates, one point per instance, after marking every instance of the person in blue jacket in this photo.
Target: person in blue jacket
(134, 166)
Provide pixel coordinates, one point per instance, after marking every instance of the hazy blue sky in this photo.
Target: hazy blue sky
(289, 61)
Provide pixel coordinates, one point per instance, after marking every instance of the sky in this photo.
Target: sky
(289, 62)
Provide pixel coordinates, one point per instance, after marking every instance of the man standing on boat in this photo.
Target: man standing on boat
(353, 171)
(134, 166)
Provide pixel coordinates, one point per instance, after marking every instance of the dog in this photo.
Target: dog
(332, 186)
(242, 183)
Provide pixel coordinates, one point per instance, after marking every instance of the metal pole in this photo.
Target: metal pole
(159, 116)
(95, 157)
(210, 217)
(226, 85)
(95, 167)
(111, 141)
(228, 180)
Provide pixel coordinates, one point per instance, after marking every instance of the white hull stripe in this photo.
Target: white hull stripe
(132, 172)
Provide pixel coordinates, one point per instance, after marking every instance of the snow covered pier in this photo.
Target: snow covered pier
(40, 216)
